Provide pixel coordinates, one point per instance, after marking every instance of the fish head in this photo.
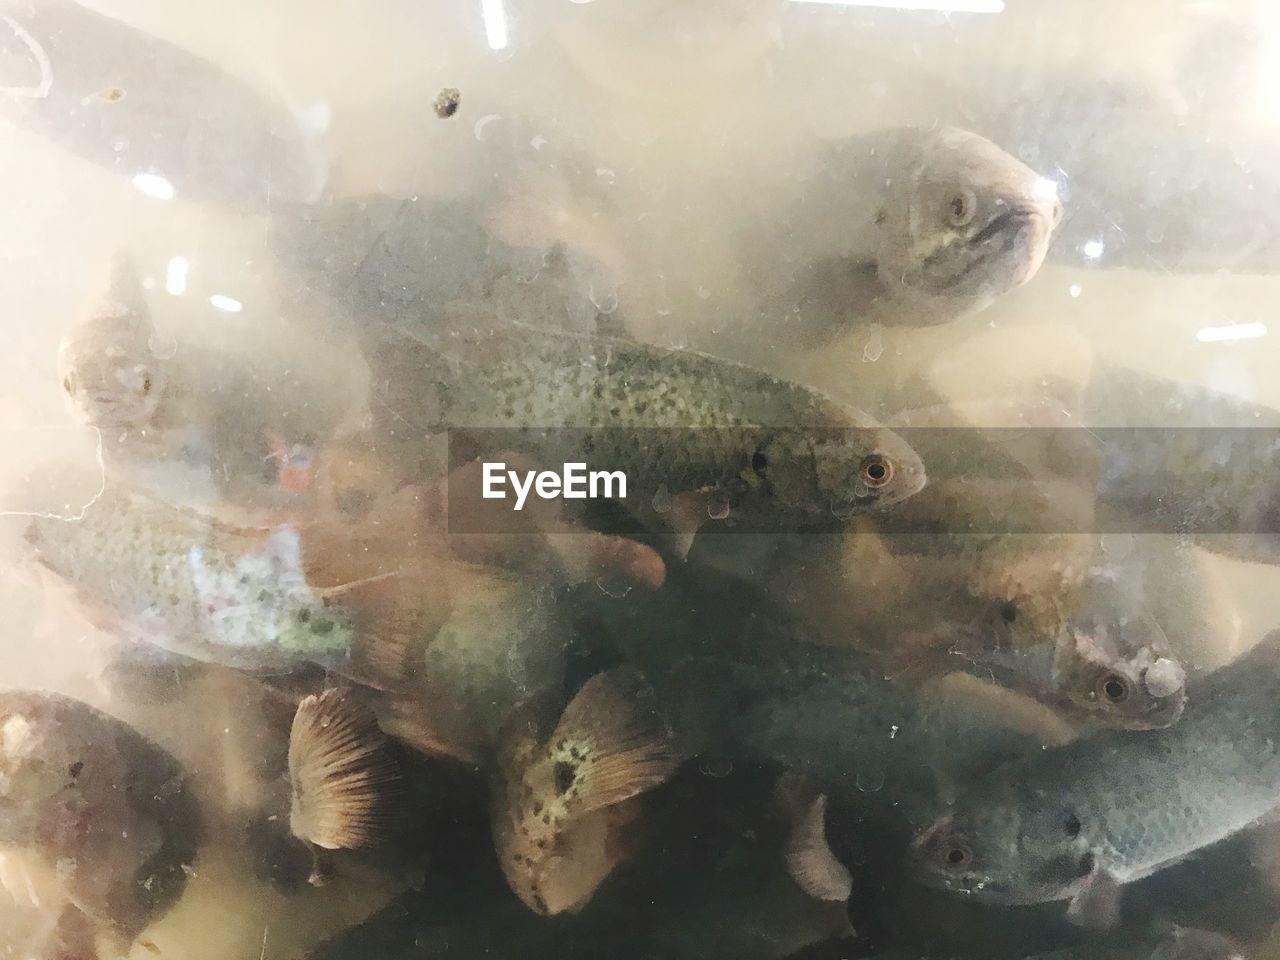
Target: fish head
(860, 470)
(36, 740)
(968, 222)
(110, 376)
(1144, 691)
(1002, 846)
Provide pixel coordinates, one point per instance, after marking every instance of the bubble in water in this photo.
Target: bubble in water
(662, 499)
(538, 142)
(717, 767)
(162, 346)
(605, 175)
(703, 292)
(1117, 545)
(433, 941)
(717, 506)
(870, 779)
(483, 122)
(1154, 234)
(614, 585)
(874, 348)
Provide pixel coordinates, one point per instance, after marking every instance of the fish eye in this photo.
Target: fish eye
(146, 385)
(759, 463)
(1114, 688)
(67, 383)
(1072, 826)
(1086, 865)
(876, 471)
(957, 856)
(960, 208)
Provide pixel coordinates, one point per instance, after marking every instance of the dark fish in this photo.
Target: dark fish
(1077, 821)
(109, 811)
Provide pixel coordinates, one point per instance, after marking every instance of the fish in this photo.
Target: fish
(1079, 821)
(1205, 211)
(562, 792)
(1115, 657)
(908, 226)
(452, 687)
(110, 375)
(435, 262)
(973, 569)
(191, 423)
(669, 419)
(176, 123)
(737, 680)
(831, 716)
(110, 812)
(147, 675)
(1185, 458)
(154, 573)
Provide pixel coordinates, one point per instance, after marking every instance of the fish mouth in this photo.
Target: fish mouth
(1004, 254)
(982, 888)
(998, 224)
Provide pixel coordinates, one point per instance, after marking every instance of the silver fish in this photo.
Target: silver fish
(153, 573)
(905, 226)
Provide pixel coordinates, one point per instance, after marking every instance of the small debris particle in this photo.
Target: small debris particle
(105, 95)
(447, 102)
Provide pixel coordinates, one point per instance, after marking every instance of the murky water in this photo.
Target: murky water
(280, 280)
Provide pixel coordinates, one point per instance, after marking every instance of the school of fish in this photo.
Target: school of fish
(811, 682)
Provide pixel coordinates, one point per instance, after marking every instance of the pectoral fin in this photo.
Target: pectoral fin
(810, 861)
(1097, 905)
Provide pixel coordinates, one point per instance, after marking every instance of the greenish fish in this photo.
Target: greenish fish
(671, 420)
(151, 572)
